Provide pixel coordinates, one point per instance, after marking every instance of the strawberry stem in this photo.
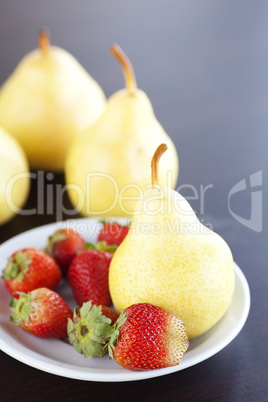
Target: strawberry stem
(130, 79)
(155, 163)
(84, 330)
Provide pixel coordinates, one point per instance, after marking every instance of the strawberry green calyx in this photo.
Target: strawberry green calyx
(53, 240)
(115, 335)
(17, 267)
(108, 221)
(21, 308)
(101, 246)
(103, 221)
(89, 330)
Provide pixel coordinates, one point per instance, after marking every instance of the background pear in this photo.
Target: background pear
(47, 101)
(107, 167)
(171, 260)
(14, 177)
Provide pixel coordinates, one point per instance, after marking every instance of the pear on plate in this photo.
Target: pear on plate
(173, 261)
(107, 167)
(47, 101)
(14, 177)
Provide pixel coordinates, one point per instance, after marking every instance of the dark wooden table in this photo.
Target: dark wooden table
(204, 66)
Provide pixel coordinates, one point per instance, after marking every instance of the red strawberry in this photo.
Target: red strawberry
(28, 269)
(147, 337)
(113, 233)
(90, 328)
(110, 313)
(105, 310)
(88, 277)
(63, 246)
(42, 313)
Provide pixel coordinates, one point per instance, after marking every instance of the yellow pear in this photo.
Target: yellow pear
(171, 260)
(107, 167)
(47, 101)
(14, 177)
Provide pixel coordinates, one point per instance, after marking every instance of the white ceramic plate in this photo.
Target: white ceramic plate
(58, 357)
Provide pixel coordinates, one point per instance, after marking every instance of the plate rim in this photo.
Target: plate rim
(48, 365)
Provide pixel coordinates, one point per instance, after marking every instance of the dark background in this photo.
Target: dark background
(204, 65)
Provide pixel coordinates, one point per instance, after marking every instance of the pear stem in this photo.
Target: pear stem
(130, 79)
(43, 41)
(155, 162)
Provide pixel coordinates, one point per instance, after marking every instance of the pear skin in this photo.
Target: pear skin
(47, 101)
(107, 168)
(173, 261)
(15, 177)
